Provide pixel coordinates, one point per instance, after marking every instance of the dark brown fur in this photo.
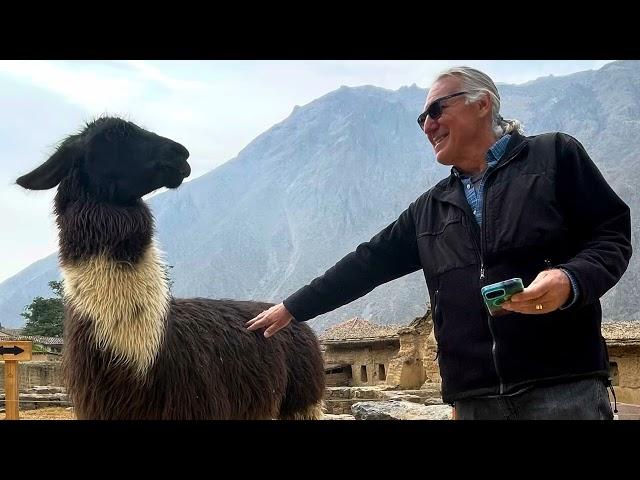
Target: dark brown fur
(89, 227)
(209, 366)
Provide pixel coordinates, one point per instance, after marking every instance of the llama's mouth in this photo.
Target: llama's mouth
(185, 169)
(173, 175)
(173, 183)
(172, 178)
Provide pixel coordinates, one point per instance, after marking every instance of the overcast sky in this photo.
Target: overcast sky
(214, 108)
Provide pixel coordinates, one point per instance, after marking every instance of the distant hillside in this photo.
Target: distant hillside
(335, 172)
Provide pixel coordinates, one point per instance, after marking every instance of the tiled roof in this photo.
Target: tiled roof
(36, 339)
(359, 329)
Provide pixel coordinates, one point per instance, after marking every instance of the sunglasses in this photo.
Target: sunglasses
(435, 109)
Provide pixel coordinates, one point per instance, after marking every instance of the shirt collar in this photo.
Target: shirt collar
(493, 155)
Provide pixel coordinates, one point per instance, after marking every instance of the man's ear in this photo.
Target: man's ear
(49, 174)
(484, 104)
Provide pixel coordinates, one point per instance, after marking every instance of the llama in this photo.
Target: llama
(132, 351)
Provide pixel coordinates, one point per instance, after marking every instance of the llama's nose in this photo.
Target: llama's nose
(176, 154)
(179, 150)
(185, 168)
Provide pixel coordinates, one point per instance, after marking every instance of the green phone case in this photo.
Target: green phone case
(497, 293)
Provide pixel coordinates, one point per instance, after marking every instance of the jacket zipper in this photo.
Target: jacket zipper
(494, 344)
(478, 250)
(493, 336)
(435, 310)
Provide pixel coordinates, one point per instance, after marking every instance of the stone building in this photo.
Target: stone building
(416, 362)
(35, 373)
(623, 343)
(358, 352)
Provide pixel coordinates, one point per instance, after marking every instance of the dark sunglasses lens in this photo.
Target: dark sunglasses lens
(434, 111)
(421, 119)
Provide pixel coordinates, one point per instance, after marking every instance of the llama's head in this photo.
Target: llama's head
(115, 161)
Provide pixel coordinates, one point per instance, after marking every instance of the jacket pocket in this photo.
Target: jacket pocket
(523, 212)
(445, 246)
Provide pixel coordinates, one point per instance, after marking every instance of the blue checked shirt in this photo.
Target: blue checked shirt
(474, 191)
(474, 186)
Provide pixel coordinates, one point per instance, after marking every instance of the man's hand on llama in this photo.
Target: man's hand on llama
(274, 319)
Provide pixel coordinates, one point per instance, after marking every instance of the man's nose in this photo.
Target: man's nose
(429, 124)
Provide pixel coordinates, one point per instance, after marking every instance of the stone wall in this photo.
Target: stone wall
(339, 379)
(374, 357)
(626, 382)
(415, 362)
(430, 361)
(339, 400)
(45, 357)
(35, 374)
(407, 368)
(39, 397)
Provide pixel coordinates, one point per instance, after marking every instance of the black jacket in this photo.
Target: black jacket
(546, 205)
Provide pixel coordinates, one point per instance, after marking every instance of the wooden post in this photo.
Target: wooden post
(11, 353)
(11, 389)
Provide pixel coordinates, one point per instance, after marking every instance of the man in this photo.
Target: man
(530, 207)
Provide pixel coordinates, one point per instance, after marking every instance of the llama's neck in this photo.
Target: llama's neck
(113, 276)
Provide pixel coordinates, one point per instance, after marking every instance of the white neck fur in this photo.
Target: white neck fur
(127, 303)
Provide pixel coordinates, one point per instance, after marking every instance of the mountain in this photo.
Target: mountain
(339, 169)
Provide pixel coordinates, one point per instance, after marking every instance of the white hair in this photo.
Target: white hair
(478, 84)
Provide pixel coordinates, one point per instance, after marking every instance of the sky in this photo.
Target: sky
(214, 108)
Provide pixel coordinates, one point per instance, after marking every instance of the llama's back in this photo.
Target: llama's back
(243, 366)
(209, 366)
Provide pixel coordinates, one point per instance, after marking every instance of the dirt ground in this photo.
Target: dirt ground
(52, 413)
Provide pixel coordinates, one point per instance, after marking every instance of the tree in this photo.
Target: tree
(45, 315)
(167, 275)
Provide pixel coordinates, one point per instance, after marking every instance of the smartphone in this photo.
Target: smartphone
(497, 293)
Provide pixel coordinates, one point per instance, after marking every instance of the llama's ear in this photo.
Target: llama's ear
(49, 174)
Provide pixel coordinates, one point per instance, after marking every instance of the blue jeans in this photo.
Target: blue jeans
(586, 399)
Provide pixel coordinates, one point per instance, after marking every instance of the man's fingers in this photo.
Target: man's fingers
(536, 289)
(532, 292)
(262, 315)
(546, 302)
(528, 308)
(256, 318)
(264, 319)
(265, 322)
(272, 320)
(256, 325)
(272, 329)
(259, 321)
(276, 326)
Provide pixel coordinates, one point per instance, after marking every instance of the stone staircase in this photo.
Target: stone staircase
(40, 397)
(338, 400)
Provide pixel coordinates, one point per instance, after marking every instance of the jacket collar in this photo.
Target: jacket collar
(448, 190)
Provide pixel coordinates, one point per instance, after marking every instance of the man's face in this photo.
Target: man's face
(458, 126)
